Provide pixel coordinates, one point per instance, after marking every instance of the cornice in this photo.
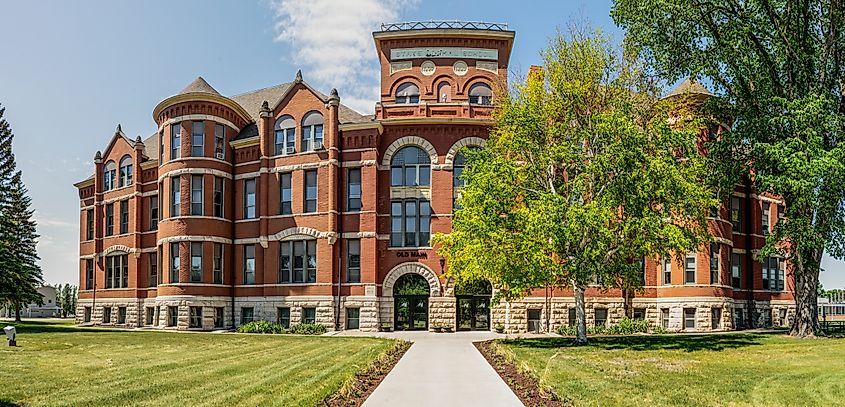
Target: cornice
(201, 97)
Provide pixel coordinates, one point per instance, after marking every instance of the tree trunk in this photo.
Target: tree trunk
(580, 316)
(806, 274)
(17, 312)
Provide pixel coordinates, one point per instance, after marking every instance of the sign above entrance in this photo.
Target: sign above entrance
(412, 253)
(444, 52)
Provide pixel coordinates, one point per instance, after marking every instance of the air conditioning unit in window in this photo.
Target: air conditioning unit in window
(319, 147)
(219, 155)
(290, 150)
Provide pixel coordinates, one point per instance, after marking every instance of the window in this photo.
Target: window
(773, 274)
(117, 271)
(109, 176)
(285, 135)
(572, 316)
(444, 92)
(175, 196)
(196, 262)
(716, 318)
(736, 270)
(458, 166)
(161, 147)
(283, 316)
(353, 190)
(407, 93)
(410, 166)
(218, 197)
(781, 212)
(175, 140)
(126, 171)
(106, 315)
(218, 317)
(197, 137)
(89, 224)
(689, 318)
(149, 312)
(639, 313)
(152, 265)
(309, 315)
(533, 320)
(249, 264)
(219, 142)
(601, 317)
(121, 315)
(765, 218)
(689, 269)
(410, 223)
(352, 318)
(667, 271)
(195, 317)
(312, 132)
(664, 318)
(736, 215)
(89, 274)
(247, 315)
(153, 212)
(196, 195)
(782, 317)
(480, 94)
(353, 261)
(715, 254)
(109, 219)
(174, 263)
(285, 194)
(249, 198)
(172, 316)
(310, 191)
(298, 261)
(218, 263)
(124, 217)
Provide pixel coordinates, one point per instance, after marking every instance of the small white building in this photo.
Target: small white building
(50, 309)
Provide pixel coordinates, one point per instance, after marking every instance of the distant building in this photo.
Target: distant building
(50, 309)
(832, 307)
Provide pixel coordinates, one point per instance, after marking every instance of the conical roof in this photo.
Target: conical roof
(689, 86)
(199, 85)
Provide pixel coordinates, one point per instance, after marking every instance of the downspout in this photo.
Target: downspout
(340, 204)
(749, 253)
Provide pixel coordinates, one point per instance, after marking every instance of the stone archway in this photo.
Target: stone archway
(410, 267)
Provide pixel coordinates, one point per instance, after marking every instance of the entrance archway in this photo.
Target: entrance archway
(410, 303)
(473, 306)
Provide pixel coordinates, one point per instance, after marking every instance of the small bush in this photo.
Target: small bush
(261, 327)
(625, 326)
(307, 329)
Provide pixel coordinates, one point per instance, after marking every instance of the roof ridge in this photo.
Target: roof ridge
(261, 89)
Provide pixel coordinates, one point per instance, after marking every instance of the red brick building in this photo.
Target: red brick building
(282, 204)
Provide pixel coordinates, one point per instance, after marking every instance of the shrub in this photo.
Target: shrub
(307, 329)
(261, 327)
(625, 326)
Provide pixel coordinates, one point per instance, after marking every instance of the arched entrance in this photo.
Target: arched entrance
(473, 302)
(410, 303)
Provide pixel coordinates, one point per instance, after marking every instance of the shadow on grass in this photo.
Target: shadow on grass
(8, 403)
(31, 327)
(688, 343)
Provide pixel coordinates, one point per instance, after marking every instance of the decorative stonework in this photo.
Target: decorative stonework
(464, 142)
(407, 268)
(427, 68)
(409, 141)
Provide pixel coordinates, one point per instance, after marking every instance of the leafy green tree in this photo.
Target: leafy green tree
(582, 175)
(778, 64)
(66, 299)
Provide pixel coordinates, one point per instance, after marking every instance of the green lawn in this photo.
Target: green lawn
(57, 364)
(711, 370)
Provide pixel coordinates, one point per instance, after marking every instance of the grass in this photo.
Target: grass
(59, 365)
(673, 370)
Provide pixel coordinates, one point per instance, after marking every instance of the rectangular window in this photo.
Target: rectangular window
(353, 190)
(197, 137)
(736, 214)
(117, 271)
(218, 263)
(353, 261)
(89, 224)
(124, 217)
(218, 317)
(175, 196)
(106, 315)
(715, 255)
(175, 140)
(353, 318)
(89, 274)
(172, 316)
(109, 219)
(572, 316)
(764, 218)
(247, 315)
(298, 261)
(689, 269)
(533, 320)
(121, 315)
(196, 195)
(249, 264)
(716, 318)
(667, 271)
(148, 315)
(174, 263)
(410, 223)
(639, 313)
(285, 194)
(309, 315)
(736, 270)
(689, 318)
(285, 141)
(195, 317)
(249, 198)
(154, 212)
(219, 142)
(664, 318)
(283, 316)
(218, 197)
(152, 276)
(196, 262)
(310, 191)
(161, 147)
(601, 317)
(86, 316)
(739, 320)
(773, 274)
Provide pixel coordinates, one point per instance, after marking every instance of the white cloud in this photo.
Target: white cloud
(332, 41)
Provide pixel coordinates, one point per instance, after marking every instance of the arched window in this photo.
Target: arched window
(312, 132)
(109, 176)
(285, 135)
(410, 166)
(125, 171)
(407, 93)
(444, 92)
(480, 94)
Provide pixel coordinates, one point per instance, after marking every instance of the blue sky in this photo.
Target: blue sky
(71, 71)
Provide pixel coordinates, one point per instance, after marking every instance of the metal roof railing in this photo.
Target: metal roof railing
(427, 25)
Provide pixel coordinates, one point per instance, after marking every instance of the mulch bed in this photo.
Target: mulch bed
(359, 387)
(523, 384)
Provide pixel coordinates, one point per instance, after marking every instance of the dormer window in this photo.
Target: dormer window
(285, 135)
(312, 132)
(109, 176)
(407, 93)
(480, 94)
(125, 171)
(444, 92)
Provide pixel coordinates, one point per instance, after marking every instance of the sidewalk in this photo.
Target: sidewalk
(442, 370)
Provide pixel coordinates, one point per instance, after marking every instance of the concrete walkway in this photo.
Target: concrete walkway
(442, 370)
